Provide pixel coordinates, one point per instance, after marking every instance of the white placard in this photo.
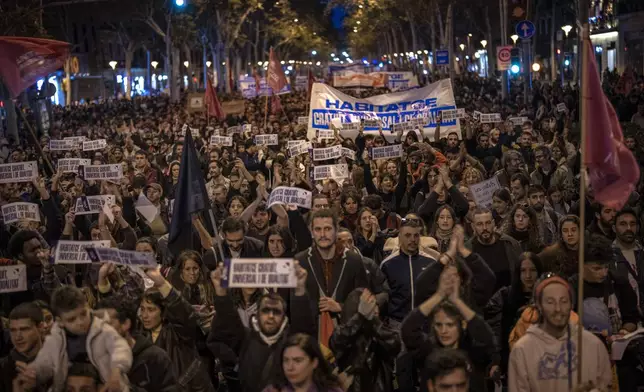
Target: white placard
(216, 140)
(74, 252)
(62, 145)
(78, 140)
(247, 128)
(291, 143)
(15, 212)
(384, 152)
(518, 121)
(490, 118)
(235, 129)
(302, 120)
(184, 128)
(103, 172)
(299, 149)
(274, 273)
(70, 165)
(477, 115)
(267, 140)
(92, 204)
(13, 278)
(482, 192)
(335, 172)
(324, 134)
(145, 207)
(288, 195)
(348, 153)
(123, 257)
(561, 107)
(18, 172)
(323, 154)
(451, 114)
(94, 145)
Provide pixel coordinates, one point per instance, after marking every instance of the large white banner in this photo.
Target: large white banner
(249, 90)
(328, 103)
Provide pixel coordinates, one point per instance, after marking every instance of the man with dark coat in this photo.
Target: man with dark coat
(257, 350)
(236, 244)
(151, 369)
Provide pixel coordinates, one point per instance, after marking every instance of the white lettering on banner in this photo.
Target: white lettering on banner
(94, 204)
(247, 128)
(266, 140)
(62, 145)
(490, 118)
(74, 252)
(78, 140)
(328, 103)
(518, 121)
(18, 172)
(348, 153)
(14, 212)
(323, 154)
(13, 278)
(384, 152)
(103, 172)
(302, 120)
(291, 143)
(235, 129)
(561, 107)
(324, 134)
(482, 192)
(269, 273)
(399, 81)
(122, 257)
(289, 195)
(299, 149)
(247, 86)
(335, 172)
(70, 165)
(94, 145)
(226, 141)
(449, 115)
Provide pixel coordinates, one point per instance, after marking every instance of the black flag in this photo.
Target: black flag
(190, 197)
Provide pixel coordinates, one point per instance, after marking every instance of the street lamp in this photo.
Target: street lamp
(186, 64)
(536, 67)
(113, 64)
(314, 52)
(208, 64)
(514, 38)
(462, 47)
(484, 43)
(154, 64)
(566, 29)
(179, 3)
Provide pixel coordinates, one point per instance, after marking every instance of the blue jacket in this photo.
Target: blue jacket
(401, 271)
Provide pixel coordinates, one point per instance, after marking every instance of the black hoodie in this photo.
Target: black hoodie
(151, 368)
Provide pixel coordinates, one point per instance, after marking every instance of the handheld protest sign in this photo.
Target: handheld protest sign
(75, 252)
(265, 273)
(13, 278)
(14, 212)
(18, 172)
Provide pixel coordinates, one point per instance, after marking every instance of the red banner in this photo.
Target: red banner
(25, 60)
(213, 106)
(275, 76)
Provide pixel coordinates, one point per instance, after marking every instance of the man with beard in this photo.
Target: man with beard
(236, 244)
(512, 163)
(498, 250)
(519, 183)
(259, 223)
(216, 178)
(603, 223)
(333, 272)
(544, 359)
(546, 216)
(627, 252)
(549, 173)
(256, 351)
(25, 321)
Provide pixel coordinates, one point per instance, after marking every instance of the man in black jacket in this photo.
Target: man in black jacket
(258, 348)
(24, 327)
(151, 366)
(236, 244)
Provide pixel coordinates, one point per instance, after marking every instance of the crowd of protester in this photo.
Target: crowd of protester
(403, 281)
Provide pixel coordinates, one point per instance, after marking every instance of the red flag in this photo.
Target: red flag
(612, 168)
(275, 76)
(276, 104)
(258, 81)
(213, 106)
(25, 60)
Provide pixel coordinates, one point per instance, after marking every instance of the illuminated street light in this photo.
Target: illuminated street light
(179, 3)
(113, 64)
(483, 43)
(295, 20)
(208, 64)
(186, 64)
(477, 55)
(426, 51)
(314, 52)
(154, 64)
(318, 63)
(462, 46)
(514, 38)
(566, 29)
(469, 34)
(536, 67)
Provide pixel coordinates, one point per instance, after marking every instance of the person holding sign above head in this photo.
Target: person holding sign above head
(257, 349)
(235, 245)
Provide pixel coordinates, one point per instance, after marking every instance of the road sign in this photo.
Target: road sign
(442, 57)
(525, 29)
(503, 57)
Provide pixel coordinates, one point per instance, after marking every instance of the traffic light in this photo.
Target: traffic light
(515, 60)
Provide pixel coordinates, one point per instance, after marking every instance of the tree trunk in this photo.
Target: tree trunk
(228, 69)
(434, 42)
(441, 29)
(489, 46)
(258, 58)
(129, 55)
(553, 57)
(204, 59)
(176, 73)
(412, 27)
(188, 56)
(450, 40)
(404, 40)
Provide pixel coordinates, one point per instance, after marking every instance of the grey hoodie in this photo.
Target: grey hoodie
(540, 362)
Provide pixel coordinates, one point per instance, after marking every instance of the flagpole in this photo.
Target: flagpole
(36, 141)
(583, 18)
(265, 111)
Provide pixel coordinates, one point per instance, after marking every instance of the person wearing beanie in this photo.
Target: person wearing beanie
(545, 359)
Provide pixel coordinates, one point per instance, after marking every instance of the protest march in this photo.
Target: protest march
(369, 228)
